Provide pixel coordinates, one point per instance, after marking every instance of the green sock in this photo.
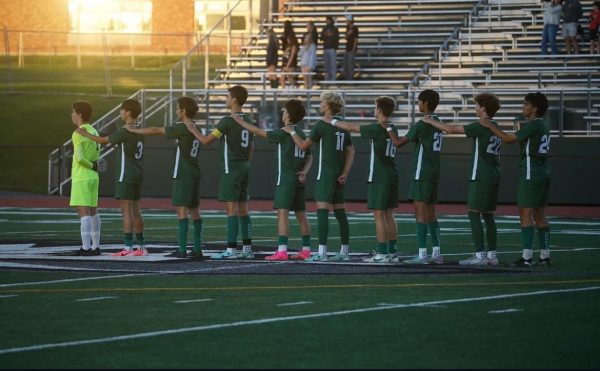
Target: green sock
(421, 235)
(476, 230)
(306, 240)
(434, 231)
(183, 233)
(323, 224)
(233, 224)
(139, 238)
(340, 215)
(282, 240)
(392, 246)
(128, 239)
(246, 225)
(198, 235)
(382, 247)
(491, 231)
(544, 238)
(527, 237)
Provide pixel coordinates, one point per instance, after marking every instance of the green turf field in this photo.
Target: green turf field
(540, 317)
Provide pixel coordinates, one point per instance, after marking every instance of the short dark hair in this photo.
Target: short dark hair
(539, 101)
(596, 3)
(133, 106)
(188, 105)
(490, 102)
(239, 93)
(431, 97)
(386, 105)
(83, 108)
(295, 109)
(329, 18)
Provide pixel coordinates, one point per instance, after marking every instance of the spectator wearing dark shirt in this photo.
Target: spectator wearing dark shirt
(330, 37)
(571, 12)
(289, 44)
(594, 23)
(351, 47)
(272, 57)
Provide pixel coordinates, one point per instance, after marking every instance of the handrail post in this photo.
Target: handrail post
(412, 108)
(229, 34)
(184, 76)
(561, 113)
(589, 94)
(207, 105)
(170, 94)
(206, 62)
(143, 113)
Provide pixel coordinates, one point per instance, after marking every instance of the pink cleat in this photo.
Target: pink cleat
(140, 252)
(278, 256)
(123, 252)
(302, 255)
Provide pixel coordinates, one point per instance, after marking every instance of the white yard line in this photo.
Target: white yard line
(191, 301)
(511, 310)
(97, 298)
(283, 319)
(296, 303)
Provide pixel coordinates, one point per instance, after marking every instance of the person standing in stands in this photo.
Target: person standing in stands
(289, 60)
(308, 54)
(571, 12)
(594, 18)
(351, 47)
(552, 10)
(272, 58)
(330, 37)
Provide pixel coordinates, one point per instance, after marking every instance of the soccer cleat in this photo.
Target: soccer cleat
(123, 252)
(396, 258)
(278, 256)
(377, 258)
(416, 260)
(301, 255)
(339, 257)
(196, 255)
(436, 260)
(177, 254)
(316, 258)
(140, 252)
(246, 255)
(522, 262)
(474, 260)
(94, 252)
(492, 261)
(544, 262)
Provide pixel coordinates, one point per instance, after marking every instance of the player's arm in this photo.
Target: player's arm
(505, 137)
(398, 142)
(349, 159)
(307, 165)
(204, 139)
(146, 131)
(302, 144)
(101, 140)
(251, 128)
(450, 129)
(342, 124)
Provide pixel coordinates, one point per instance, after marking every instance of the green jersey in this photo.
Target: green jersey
(131, 152)
(236, 141)
(188, 149)
(535, 146)
(485, 166)
(426, 155)
(290, 158)
(332, 142)
(382, 167)
(85, 152)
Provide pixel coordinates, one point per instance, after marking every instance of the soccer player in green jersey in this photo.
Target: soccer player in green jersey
(382, 179)
(484, 178)
(534, 177)
(237, 146)
(186, 176)
(129, 176)
(425, 176)
(84, 179)
(336, 154)
(292, 166)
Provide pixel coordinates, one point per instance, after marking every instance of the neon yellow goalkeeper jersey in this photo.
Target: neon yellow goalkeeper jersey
(85, 152)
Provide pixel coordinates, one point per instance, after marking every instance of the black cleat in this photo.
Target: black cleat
(196, 256)
(93, 252)
(522, 263)
(544, 262)
(177, 254)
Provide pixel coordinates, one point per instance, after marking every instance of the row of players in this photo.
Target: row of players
(336, 154)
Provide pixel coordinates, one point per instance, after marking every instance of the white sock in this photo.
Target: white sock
(322, 250)
(95, 232)
(544, 253)
(435, 252)
(86, 228)
(480, 254)
(527, 254)
(492, 254)
(306, 248)
(282, 248)
(423, 253)
(344, 249)
(247, 248)
(231, 250)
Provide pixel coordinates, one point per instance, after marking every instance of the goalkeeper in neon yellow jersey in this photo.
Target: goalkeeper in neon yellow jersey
(84, 179)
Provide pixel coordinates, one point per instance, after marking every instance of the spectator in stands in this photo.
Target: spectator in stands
(289, 44)
(330, 37)
(272, 57)
(308, 54)
(594, 23)
(571, 12)
(351, 47)
(552, 10)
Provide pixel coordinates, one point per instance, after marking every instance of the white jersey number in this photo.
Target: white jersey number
(245, 138)
(139, 150)
(545, 144)
(494, 146)
(298, 152)
(339, 145)
(437, 142)
(195, 147)
(390, 148)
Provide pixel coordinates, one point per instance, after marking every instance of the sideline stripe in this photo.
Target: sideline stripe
(283, 319)
(98, 298)
(191, 301)
(511, 310)
(296, 303)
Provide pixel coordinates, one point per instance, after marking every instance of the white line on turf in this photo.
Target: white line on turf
(296, 303)
(8, 296)
(97, 298)
(283, 319)
(68, 280)
(191, 301)
(511, 310)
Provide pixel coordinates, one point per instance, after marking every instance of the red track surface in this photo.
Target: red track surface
(265, 205)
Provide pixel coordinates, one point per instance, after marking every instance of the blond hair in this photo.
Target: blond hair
(334, 101)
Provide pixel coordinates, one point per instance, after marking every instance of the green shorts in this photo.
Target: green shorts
(329, 191)
(382, 196)
(186, 192)
(424, 191)
(128, 191)
(533, 193)
(483, 196)
(233, 186)
(84, 193)
(289, 196)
